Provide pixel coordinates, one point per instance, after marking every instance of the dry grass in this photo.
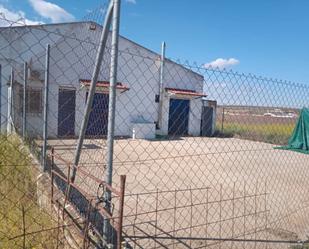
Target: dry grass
(270, 131)
(21, 220)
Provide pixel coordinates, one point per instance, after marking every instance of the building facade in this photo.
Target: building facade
(175, 108)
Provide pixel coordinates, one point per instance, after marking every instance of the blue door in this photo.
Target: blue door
(98, 119)
(66, 112)
(178, 120)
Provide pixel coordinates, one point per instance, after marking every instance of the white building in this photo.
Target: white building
(72, 56)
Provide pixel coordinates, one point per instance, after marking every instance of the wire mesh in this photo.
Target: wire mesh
(29, 216)
(200, 151)
(228, 142)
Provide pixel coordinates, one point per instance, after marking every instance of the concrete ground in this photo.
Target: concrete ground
(197, 187)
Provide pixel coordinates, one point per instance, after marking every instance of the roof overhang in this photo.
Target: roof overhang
(184, 93)
(103, 86)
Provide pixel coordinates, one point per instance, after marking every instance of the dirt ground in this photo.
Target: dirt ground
(202, 187)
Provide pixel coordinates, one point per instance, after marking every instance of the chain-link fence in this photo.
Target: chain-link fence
(198, 156)
(40, 206)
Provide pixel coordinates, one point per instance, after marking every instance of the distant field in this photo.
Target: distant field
(275, 130)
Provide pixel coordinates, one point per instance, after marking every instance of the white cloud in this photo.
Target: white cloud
(131, 1)
(222, 63)
(11, 18)
(51, 11)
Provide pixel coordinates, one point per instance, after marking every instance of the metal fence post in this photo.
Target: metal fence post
(94, 80)
(10, 100)
(120, 212)
(112, 111)
(0, 98)
(161, 89)
(46, 84)
(24, 99)
(222, 120)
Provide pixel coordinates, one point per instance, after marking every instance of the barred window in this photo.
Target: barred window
(33, 100)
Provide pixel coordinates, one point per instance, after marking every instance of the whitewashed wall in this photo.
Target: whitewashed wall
(195, 113)
(19, 44)
(72, 59)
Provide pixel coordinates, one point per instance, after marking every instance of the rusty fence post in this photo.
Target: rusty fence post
(86, 227)
(24, 226)
(222, 120)
(52, 174)
(121, 204)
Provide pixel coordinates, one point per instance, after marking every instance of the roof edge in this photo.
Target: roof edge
(48, 24)
(93, 22)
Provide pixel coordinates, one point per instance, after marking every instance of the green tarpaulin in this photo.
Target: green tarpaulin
(299, 141)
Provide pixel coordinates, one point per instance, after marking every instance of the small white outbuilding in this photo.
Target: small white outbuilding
(72, 54)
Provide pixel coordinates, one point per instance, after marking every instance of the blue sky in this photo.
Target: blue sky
(265, 37)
